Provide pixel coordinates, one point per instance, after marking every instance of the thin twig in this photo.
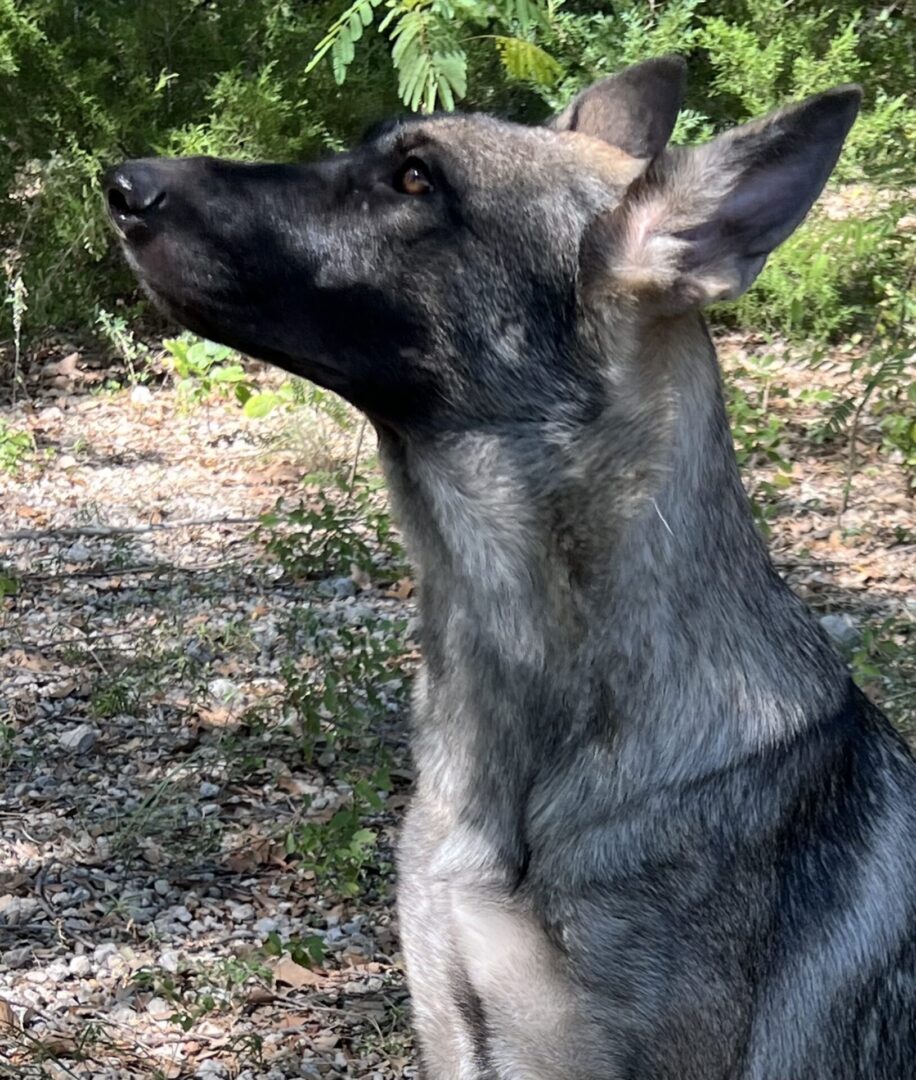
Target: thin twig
(69, 531)
(351, 479)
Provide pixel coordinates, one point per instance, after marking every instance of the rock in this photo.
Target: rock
(159, 1009)
(77, 553)
(842, 630)
(169, 961)
(161, 887)
(337, 588)
(80, 739)
(208, 790)
(17, 958)
(223, 690)
(103, 951)
(80, 966)
(140, 395)
(17, 910)
(210, 1067)
(241, 913)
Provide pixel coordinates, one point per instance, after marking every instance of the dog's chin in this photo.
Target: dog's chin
(215, 323)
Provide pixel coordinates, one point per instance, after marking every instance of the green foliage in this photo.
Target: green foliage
(305, 951)
(827, 278)
(340, 851)
(204, 368)
(336, 531)
(134, 353)
(345, 689)
(15, 445)
(759, 435)
(198, 990)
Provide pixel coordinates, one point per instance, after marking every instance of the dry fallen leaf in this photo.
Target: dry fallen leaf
(403, 590)
(7, 1016)
(292, 974)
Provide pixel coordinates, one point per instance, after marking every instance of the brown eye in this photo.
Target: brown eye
(413, 179)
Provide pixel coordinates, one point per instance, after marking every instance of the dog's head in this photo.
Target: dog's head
(444, 270)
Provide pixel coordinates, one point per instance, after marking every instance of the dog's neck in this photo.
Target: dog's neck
(604, 583)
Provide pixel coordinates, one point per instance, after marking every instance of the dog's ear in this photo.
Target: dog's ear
(634, 110)
(699, 225)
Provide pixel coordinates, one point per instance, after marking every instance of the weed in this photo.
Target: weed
(341, 851)
(759, 435)
(135, 354)
(352, 678)
(307, 951)
(197, 991)
(204, 368)
(7, 742)
(15, 446)
(334, 532)
(113, 699)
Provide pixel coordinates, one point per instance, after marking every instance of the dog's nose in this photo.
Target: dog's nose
(134, 191)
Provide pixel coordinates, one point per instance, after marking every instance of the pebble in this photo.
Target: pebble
(159, 1008)
(223, 690)
(842, 629)
(80, 966)
(17, 958)
(208, 790)
(337, 588)
(77, 553)
(80, 739)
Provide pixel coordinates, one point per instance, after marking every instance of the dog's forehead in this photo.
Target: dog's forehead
(491, 150)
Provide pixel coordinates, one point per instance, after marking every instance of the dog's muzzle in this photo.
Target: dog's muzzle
(135, 193)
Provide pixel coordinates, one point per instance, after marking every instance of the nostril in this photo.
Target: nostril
(117, 201)
(133, 190)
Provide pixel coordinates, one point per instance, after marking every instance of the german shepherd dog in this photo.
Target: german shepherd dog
(657, 834)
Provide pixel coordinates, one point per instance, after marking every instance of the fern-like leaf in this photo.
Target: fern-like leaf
(526, 61)
(342, 36)
(431, 67)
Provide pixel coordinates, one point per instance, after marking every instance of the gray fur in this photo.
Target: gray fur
(657, 834)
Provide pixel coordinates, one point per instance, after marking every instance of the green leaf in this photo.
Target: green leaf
(341, 36)
(528, 62)
(259, 405)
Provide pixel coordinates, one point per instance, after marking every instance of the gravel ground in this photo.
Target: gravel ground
(153, 919)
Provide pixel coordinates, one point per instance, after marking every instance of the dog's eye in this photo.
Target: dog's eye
(413, 179)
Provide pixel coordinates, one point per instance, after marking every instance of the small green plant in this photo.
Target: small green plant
(308, 951)
(7, 737)
(335, 531)
(758, 435)
(197, 991)
(355, 676)
(135, 353)
(112, 699)
(884, 662)
(898, 427)
(15, 445)
(340, 851)
(204, 368)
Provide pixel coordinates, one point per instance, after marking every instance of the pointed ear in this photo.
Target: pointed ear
(634, 110)
(700, 225)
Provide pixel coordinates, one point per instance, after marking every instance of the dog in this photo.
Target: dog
(657, 832)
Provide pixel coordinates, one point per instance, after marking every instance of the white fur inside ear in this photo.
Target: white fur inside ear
(648, 255)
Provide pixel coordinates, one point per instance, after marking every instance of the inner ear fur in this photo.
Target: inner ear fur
(699, 224)
(634, 110)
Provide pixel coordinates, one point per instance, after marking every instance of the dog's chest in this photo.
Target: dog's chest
(490, 989)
